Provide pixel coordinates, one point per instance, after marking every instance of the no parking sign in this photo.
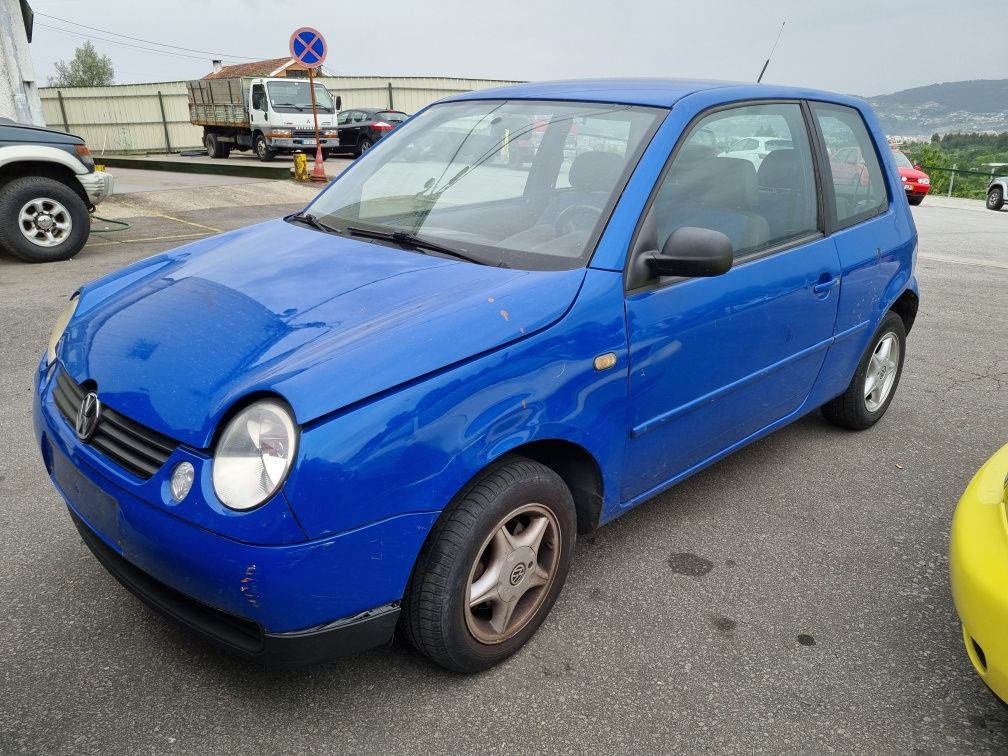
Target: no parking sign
(308, 47)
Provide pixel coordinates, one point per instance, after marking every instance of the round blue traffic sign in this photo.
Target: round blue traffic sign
(308, 47)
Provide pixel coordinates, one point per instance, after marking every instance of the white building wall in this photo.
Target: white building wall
(19, 96)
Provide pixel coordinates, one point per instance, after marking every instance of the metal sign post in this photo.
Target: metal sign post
(308, 47)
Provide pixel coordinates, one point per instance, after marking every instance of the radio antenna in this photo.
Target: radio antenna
(779, 32)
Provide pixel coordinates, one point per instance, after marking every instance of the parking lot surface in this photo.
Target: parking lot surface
(791, 599)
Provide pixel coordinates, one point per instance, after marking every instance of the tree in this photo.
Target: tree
(86, 69)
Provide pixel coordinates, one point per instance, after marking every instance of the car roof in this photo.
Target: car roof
(663, 93)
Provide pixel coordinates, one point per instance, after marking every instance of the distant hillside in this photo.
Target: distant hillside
(964, 106)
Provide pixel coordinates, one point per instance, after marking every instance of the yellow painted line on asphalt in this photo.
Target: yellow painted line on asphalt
(963, 261)
(147, 239)
(188, 223)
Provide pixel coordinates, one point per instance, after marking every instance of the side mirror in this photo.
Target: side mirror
(916, 167)
(691, 251)
(339, 103)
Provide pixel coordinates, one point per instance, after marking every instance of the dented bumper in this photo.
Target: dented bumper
(288, 603)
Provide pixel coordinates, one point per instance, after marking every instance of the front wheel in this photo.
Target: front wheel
(263, 150)
(874, 384)
(916, 199)
(995, 198)
(492, 567)
(42, 220)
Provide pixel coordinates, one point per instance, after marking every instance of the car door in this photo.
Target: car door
(715, 361)
(258, 104)
(349, 130)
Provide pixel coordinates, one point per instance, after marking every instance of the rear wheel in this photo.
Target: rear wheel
(363, 146)
(874, 384)
(215, 147)
(995, 198)
(263, 150)
(492, 568)
(42, 220)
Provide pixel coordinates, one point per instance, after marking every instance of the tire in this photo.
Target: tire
(262, 149)
(48, 211)
(916, 200)
(466, 545)
(216, 148)
(853, 408)
(995, 198)
(363, 146)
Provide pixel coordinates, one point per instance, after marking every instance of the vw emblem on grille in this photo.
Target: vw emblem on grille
(517, 574)
(87, 416)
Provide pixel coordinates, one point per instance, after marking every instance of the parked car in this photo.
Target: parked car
(978, 563)
(997, 190)
(754, 149)
(360, 128)
(401, 406)
(48, 185)
(916, 183)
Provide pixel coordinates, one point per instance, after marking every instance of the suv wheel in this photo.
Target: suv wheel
(492, 567)
(42, 220)
(995, 198)
(874, 384)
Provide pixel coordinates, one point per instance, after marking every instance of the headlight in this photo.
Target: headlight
(59, 327)
(280, 133)
(253, 455)
(923, 180)
(330, 132)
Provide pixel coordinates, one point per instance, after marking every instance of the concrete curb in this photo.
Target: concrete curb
(219, 167)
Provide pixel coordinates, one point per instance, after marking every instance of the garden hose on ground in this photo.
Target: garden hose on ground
(108, 220)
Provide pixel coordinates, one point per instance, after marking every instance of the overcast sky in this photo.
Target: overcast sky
(854, 46)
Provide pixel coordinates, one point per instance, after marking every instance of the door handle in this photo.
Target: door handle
(822, 289)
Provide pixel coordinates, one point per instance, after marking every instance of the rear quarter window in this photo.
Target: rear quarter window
(859, 190)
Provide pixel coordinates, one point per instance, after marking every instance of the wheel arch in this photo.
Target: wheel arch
(57, 171)
(905, 306)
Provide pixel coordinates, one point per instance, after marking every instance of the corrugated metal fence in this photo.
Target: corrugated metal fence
(139, 118)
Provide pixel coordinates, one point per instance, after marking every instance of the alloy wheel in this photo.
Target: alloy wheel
(512, 574)
(881, 374)
(45, 222)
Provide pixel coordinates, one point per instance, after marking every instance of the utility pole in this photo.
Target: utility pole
(19, 97)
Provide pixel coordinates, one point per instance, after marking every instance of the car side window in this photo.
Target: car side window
(757, 198)
(858, 186)
(358, 117)
(341, 119)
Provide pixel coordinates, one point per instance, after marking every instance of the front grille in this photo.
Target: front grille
(133, 446)
(304, 133)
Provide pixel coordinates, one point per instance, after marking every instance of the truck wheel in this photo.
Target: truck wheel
(42, 220)
(263, 150)
(995, 198)
(492, 567)
(216, 148)
(874, 384)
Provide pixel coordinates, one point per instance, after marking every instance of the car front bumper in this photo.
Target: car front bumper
(917, 190)
(292, 603)
(98, 185)
(978, 566)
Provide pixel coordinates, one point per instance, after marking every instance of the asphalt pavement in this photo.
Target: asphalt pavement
(793, 598)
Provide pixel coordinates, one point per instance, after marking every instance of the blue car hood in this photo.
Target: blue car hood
(323, 321)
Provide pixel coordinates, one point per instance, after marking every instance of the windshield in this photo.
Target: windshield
(902, 161)
(521, 184)
(293, 96)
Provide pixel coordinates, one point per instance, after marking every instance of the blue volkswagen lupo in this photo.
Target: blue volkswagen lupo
(524, 312)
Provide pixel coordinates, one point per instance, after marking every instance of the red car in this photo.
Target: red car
(915, 181)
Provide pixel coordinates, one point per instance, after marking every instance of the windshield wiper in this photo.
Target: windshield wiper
(412, 240)
(311, 220)
(289, 105)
